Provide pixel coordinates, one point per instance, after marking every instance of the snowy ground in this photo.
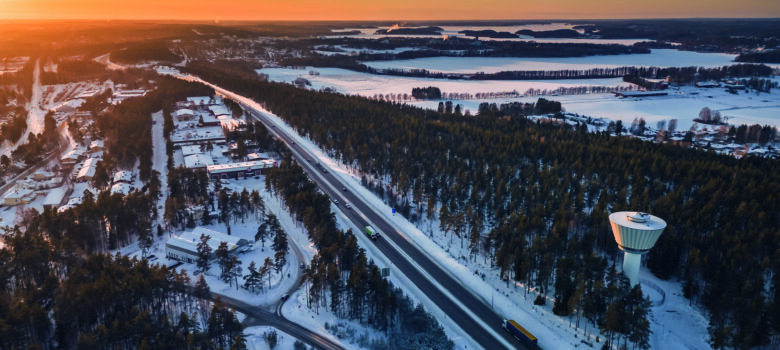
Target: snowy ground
(255, 340)
(464, 65)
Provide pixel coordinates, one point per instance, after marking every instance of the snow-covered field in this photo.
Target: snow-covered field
(365, 84)
(464, 65)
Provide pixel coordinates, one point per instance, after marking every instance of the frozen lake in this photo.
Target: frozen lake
(465, 65)
(364, 84)
(682, 104)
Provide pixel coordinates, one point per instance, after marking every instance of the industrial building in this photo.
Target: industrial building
(239, 170)
(185, 247)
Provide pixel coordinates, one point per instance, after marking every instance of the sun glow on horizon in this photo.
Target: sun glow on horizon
(288, 10)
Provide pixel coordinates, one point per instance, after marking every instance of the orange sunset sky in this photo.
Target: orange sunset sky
(381, 10)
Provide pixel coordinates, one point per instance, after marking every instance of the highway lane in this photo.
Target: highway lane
(464, 307)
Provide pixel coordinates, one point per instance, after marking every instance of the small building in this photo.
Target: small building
(239, 170)
(96, 146)
(185, 247)
(640, 93)
(251, 157)
(18, 195)
(123, 176)
(42, 175)
(184, 114)
(53, 198)
(197, 161)
(208, 119)
(219, 110)
(121, 188)
(87, 170)
(199, 100)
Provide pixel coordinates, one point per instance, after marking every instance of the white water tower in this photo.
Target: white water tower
(635, 233)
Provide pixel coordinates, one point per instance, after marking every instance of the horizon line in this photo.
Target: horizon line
(218, 20)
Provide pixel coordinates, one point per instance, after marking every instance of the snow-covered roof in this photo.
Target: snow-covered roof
(199, 99)
(208, 118)
(257, 156)
(189, 240)
(184, 111)
(248, 166)
(219, 110)
(197, 161)
(18, 191)
(192, 149)
(54, 196)
(121, 188)
(96, 144)
(88, 169)
(123, 176)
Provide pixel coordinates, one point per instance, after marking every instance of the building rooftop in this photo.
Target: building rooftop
(637, 220)
(197, 161)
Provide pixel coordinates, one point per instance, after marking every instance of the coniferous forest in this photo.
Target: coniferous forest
(533, 198)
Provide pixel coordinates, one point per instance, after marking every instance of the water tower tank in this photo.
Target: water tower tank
(635, 233)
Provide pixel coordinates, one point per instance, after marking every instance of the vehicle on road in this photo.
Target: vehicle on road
(285, 297)
(344, 189)
(334, 200)
(372, 233)
(520, 333)
(346, 204)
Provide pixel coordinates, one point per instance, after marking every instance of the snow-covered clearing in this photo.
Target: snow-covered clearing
(465, 65)
(365, 84)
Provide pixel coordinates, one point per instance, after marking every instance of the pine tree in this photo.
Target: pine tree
(145, 237)
(204, 254)
(281, 247)
(223, 260)
(253, 279)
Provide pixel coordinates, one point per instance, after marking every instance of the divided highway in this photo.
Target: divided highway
(469, 311)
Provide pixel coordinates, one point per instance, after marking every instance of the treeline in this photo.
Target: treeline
(53, 298)
(648, 85)
(342, 278)
(474, 173)
(75, 71)
(684, 75)
(768, 56)
(429, 93)
(689, 75)
(516, 109)
(145, 51)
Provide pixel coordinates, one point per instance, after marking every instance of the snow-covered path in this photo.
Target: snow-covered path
(34, 113)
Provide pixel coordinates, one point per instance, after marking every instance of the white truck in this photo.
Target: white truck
(372, 233)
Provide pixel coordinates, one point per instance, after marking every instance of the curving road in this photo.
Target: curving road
(257, 316)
